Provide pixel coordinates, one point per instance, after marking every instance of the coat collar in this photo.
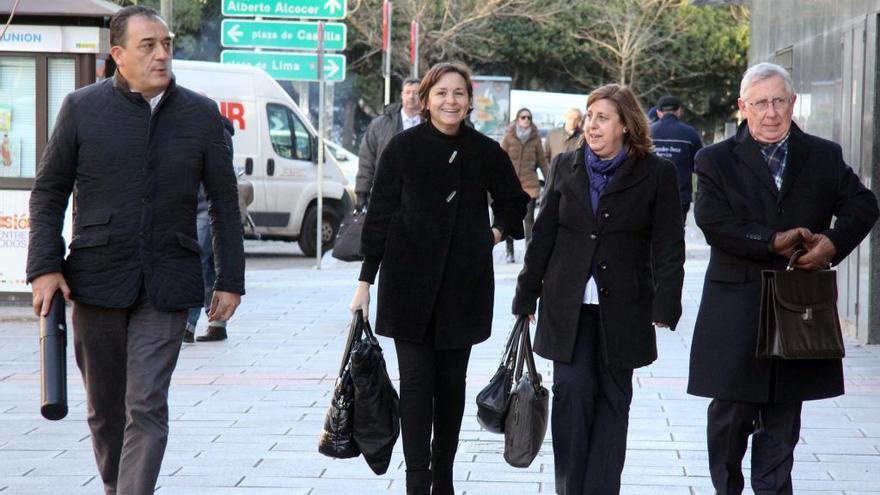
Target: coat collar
(120, 83)
(631, 172)
(749, 152)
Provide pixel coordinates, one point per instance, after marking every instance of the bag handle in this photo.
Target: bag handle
(794, 257)
(358, 325)
(508, 359)
(526, 356)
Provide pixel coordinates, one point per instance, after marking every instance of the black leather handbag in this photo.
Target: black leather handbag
(526, 421)
(799, 314)
(493, 400)
(348, 240)
(337, 437)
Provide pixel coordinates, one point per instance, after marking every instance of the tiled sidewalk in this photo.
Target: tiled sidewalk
(246, 412)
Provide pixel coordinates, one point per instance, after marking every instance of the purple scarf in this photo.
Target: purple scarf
(601, 172)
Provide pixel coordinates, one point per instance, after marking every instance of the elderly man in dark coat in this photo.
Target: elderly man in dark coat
(763, 192)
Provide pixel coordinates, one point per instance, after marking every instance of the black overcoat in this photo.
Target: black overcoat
(428, 226)
(739, 209)
(635, 245)
(134, 175)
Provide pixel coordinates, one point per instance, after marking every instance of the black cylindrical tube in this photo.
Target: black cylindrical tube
(53, 360)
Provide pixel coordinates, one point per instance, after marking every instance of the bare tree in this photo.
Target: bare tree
(627, 37)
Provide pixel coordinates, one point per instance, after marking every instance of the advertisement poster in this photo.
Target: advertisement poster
(491, 113)
(10, 155)
(14, 226)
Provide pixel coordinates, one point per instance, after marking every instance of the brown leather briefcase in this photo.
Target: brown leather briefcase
(799, 314)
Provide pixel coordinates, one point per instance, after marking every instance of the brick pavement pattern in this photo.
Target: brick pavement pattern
(245, 413)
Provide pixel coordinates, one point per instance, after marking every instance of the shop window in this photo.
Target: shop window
(18, 129)
(62, 80)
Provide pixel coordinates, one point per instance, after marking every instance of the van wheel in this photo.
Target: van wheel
(329, 228)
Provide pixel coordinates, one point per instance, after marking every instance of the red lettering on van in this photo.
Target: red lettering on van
(234, 112)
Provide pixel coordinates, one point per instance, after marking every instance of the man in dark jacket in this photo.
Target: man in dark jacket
(133, 150)
(678, 143)
(397, 117)
(762, 193)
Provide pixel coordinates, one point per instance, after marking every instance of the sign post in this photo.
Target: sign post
(414, 47)
(321, 125)
(386, 49)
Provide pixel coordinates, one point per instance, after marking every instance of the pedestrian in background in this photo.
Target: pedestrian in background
(133, 149)
(428, 228)
(762, 193)
(397, 117)
(216, 328)
(522, 142)
(678, 143)
(607, 262)
(565, 138)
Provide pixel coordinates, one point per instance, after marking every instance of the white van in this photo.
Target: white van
(276, 147)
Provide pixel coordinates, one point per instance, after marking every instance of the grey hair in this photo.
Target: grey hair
(764, 71)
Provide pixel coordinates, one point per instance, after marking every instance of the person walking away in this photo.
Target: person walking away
(217, 328)
(428, 228)
(522, 142)
(133, 149)
(607, 263)
(678, 143)
(761, 194)
(397, 117)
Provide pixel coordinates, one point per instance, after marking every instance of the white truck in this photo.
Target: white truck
(276, 147)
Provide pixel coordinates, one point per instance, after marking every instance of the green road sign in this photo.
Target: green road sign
(291, 66)
(281, 34)
(302, 9)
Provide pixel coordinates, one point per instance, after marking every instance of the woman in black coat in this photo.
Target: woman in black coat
(606, 260)
(428, 227)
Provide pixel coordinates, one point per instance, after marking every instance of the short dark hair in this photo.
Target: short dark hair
(411, 80)
(119, 22)
(433, 76)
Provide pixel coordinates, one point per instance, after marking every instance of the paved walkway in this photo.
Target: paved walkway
(246, 412)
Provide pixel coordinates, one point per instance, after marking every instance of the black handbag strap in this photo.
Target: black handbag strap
(358, 326)
(511, 349)
(526, 356)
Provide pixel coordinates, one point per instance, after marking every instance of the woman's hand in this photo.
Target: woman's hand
(531, 318)
(660, 324)
(361, 300)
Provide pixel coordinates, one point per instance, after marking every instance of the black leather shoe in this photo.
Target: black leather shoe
(214, 334)
(188, 337)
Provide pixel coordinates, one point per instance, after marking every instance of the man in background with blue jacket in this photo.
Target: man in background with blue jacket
(678, 143)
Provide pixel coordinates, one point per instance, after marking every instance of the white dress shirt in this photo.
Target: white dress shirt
(407, 121)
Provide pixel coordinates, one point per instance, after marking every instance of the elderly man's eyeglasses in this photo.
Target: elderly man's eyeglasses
(779, 104)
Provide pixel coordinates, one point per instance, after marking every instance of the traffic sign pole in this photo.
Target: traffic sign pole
(321, 129)
(414, 47)
(386, 48)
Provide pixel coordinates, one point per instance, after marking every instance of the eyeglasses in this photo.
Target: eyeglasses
(779, 104)
(525, 117)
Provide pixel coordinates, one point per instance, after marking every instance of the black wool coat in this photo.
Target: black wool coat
(739, 209)
(635, 245)
(135, 177)
(428, 227)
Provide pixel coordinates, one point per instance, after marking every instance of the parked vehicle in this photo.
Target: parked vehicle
(276, 147)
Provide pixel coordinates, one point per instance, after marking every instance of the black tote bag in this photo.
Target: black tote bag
(493, 400)
(526, 423)
(337, 437)
(376, 409)
(348, 240)
(799, 314)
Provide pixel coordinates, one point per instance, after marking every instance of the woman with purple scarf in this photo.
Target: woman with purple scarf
(607, 262)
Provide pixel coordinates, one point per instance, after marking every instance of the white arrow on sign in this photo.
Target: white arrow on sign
(234, 33)
(332, 6)
(330, 68)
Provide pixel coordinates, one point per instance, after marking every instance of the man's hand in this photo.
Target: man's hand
(360, 201)
(820, 252)
(223, 305)
(660, 324)
(361, 300)
(44, 287)
(784, 243)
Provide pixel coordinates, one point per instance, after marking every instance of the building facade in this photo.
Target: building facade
(831, 50)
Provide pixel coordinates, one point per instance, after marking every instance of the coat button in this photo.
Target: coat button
(603, 265)
(780, 210)
(603, 292)
(594, 236)
(141, 233)
(606, 214)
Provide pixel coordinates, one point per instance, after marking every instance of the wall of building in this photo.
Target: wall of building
(831, 47)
